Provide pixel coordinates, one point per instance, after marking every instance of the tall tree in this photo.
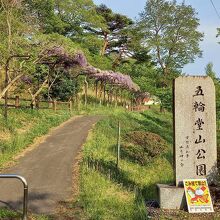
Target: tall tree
(13, 28)
(170, 30)
(115, 24)
(14, 31)
(120, 39)
(66, 17)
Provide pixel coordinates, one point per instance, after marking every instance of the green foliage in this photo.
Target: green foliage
(64, 16)
(144, 74)
(91, 43)
(120, 36)
(141, 146)
(6, 213)
(14, 30)
(166, 97)
(210, 72)
(170, 31)
(64, 87)
(104, 63)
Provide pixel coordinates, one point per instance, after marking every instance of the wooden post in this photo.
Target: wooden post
(70, 106)
(131, 105)
(100, 92)
(77, 102)
(54, 105)
(6, 83)
(37, 102)
(108, 97)
(17, 101)
(118, 144)
(116, 98)
(104, 88)
(96, 89)
(86, 90)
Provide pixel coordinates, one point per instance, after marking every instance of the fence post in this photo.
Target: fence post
(118, 144)
(37, 102)
(54, 105)
(70, 106)
(17, 101)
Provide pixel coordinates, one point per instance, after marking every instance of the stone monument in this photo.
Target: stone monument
(195, 150)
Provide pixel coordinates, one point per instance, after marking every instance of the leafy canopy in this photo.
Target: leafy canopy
(170, 31)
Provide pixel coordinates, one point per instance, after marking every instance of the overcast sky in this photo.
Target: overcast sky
(209, 21)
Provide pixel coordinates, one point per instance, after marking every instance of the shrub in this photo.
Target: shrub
(141, 146)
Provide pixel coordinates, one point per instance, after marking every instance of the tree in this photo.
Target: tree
(14, 31)
(170, 31)
(65, 17)
(64, 86)
(211, 73)
(115, 23)
(120, 38)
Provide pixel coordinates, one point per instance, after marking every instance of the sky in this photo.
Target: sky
(209, 22)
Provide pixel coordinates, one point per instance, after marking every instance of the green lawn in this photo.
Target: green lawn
(111, 193)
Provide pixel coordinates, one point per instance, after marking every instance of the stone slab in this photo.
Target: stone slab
(171, 197)
(194, 129)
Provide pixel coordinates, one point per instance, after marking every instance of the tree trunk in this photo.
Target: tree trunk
(96, 90)
(86, 90)
(116, 98)
(100, 92)
(104, 92)
(33, 96)
(102, 52)
(10, 84)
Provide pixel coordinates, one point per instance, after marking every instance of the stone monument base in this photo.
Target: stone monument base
(171, 197)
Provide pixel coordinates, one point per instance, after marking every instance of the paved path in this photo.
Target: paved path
(48, 168)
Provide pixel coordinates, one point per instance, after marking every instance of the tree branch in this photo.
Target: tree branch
(10, 84)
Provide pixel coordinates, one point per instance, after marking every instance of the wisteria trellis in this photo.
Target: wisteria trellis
(59, 57)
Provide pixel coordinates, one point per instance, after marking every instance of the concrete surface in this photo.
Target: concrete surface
(171, 197)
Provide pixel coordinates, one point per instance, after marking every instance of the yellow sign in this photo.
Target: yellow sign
(198, 196)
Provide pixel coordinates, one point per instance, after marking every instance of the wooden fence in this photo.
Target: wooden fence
(17, 102)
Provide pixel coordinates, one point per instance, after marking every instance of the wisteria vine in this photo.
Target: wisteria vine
(58, 57)
(119, 79)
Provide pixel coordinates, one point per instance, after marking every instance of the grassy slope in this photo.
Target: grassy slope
(23, 126)
(119, 194)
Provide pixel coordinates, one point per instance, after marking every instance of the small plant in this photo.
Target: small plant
(9, 214)
(141, 146)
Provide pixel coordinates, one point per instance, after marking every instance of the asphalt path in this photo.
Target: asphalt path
(48, 169)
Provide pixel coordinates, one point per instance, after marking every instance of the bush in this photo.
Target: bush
(141, 146)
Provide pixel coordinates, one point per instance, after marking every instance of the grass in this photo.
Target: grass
(108, 192)
(20, 131)
(23, 127)
(9, 214)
